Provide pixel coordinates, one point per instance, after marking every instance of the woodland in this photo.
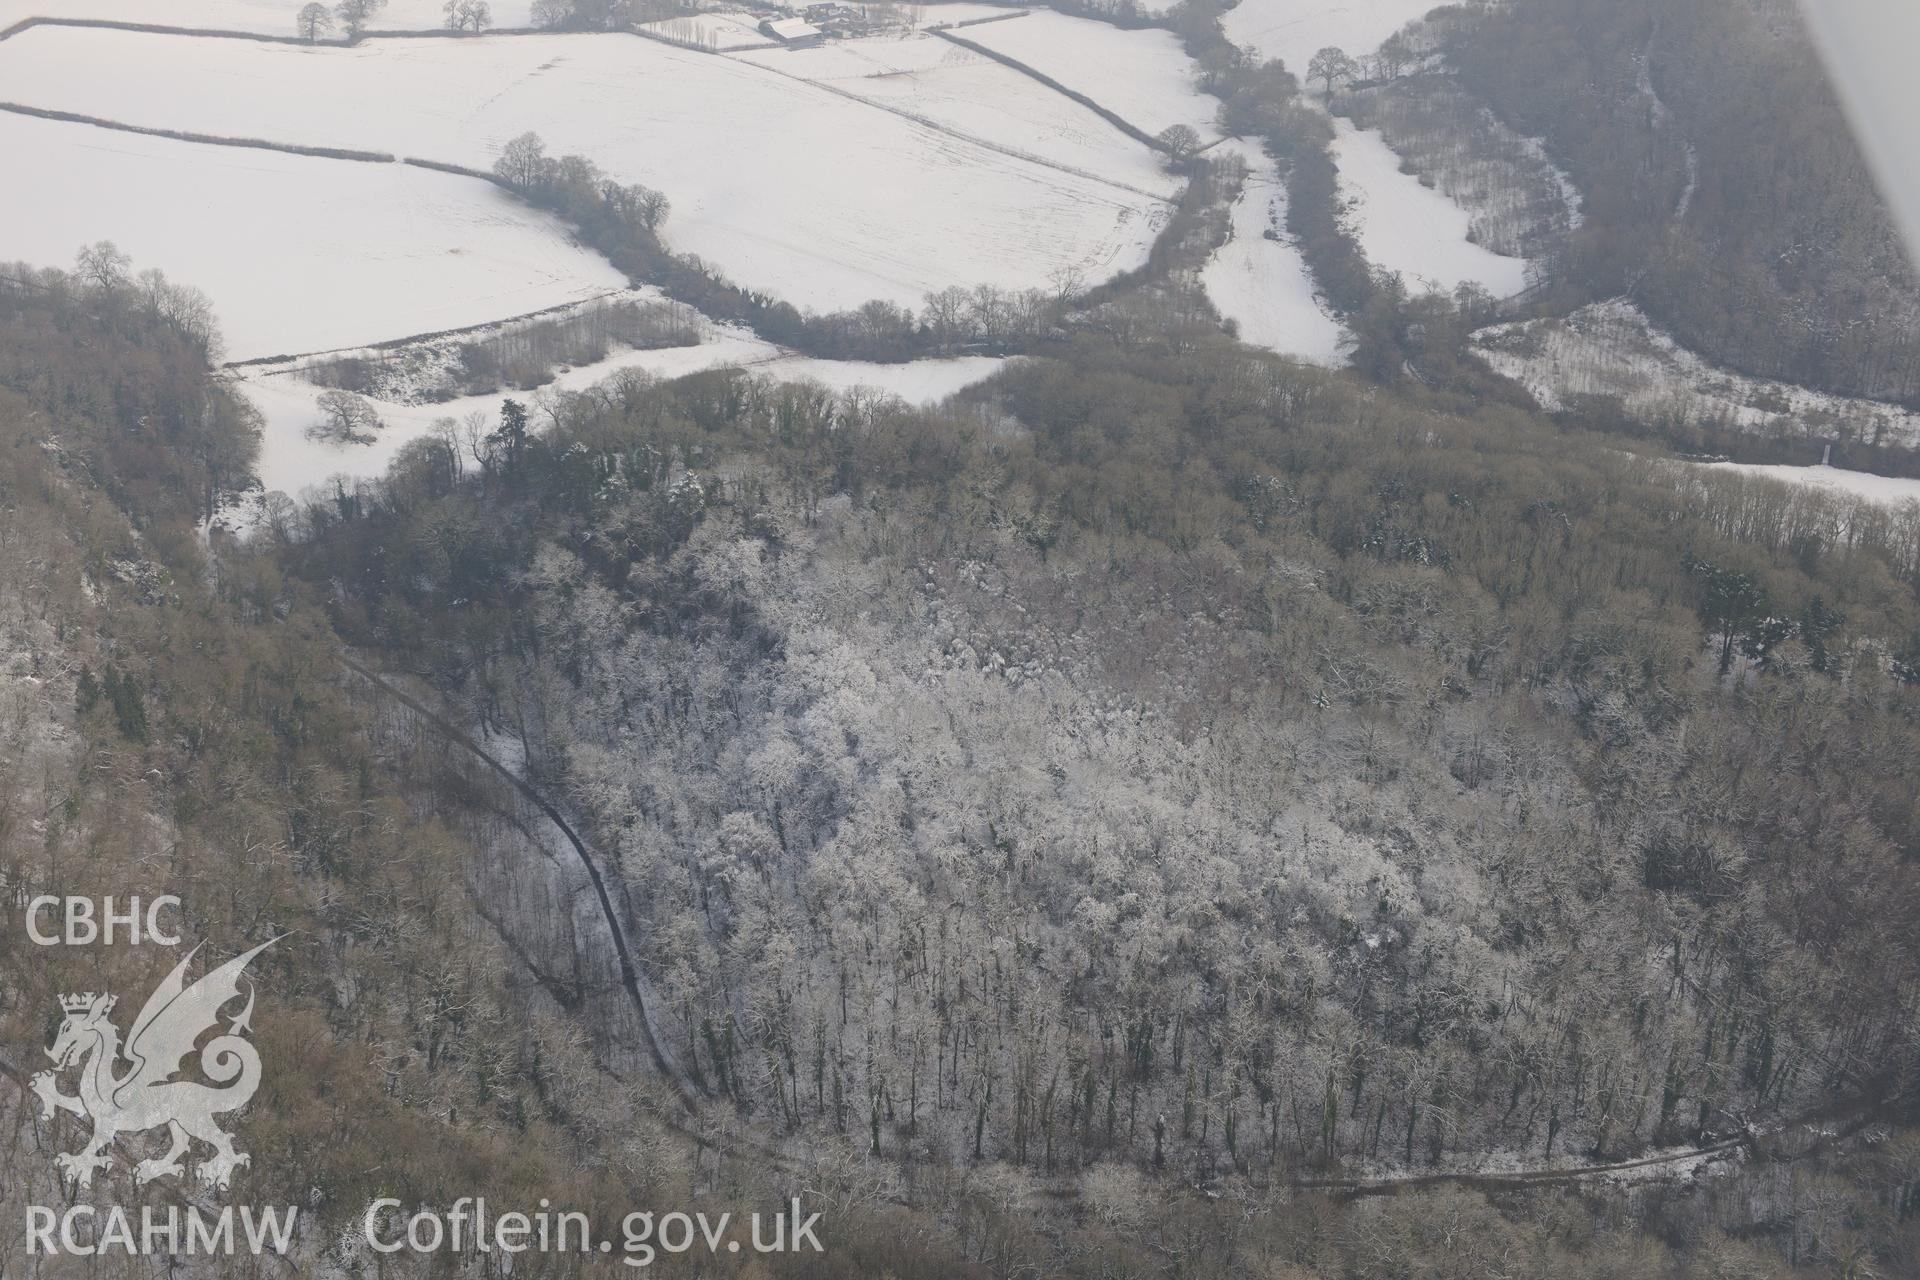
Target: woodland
(1171, 775)
(1169, 811)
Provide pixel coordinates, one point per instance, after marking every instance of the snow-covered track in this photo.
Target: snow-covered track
(689, 1091)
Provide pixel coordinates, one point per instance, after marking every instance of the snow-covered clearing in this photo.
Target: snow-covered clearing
(967, 91)
(290, 462)
(265, 17)
(1261, 283)
(1410, 228)
(1294, 30)
(786, 187)
(298, 254)
(1142, 76)
(1518, 202)
(1611, 349)
(1888, 491)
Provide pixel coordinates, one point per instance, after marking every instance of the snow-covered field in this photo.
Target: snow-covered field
(290, 462)
(298, 254)
(1402, 225)
(1294, 30)
(266, 17)
(948, 15)
(1413, 229)
(1611, 349)
(962, 90)
(1888, 491)
(719, 32)
(1143, 76)
(1263, 284)
(784, 186)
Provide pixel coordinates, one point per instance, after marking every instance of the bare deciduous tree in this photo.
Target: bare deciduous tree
(1395, 55)
(1329, 65)
(523, 162)
(468, 15)
(355, 14)
(314, 21)
(1181, 141)
(1067, 280)
(345, 419)
(103, 265)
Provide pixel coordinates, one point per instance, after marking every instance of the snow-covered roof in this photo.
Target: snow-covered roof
(790, 29)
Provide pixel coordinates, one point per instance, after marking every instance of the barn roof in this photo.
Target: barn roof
(790, 28)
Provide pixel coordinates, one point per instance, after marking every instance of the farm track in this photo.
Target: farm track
(690, 1093)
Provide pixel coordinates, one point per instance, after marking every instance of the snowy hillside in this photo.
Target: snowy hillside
(1611, 349)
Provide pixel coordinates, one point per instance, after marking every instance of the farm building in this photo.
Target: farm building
(795, 33)
(841, 21)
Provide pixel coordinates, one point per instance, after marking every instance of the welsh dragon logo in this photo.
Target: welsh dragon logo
(144, 1095)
